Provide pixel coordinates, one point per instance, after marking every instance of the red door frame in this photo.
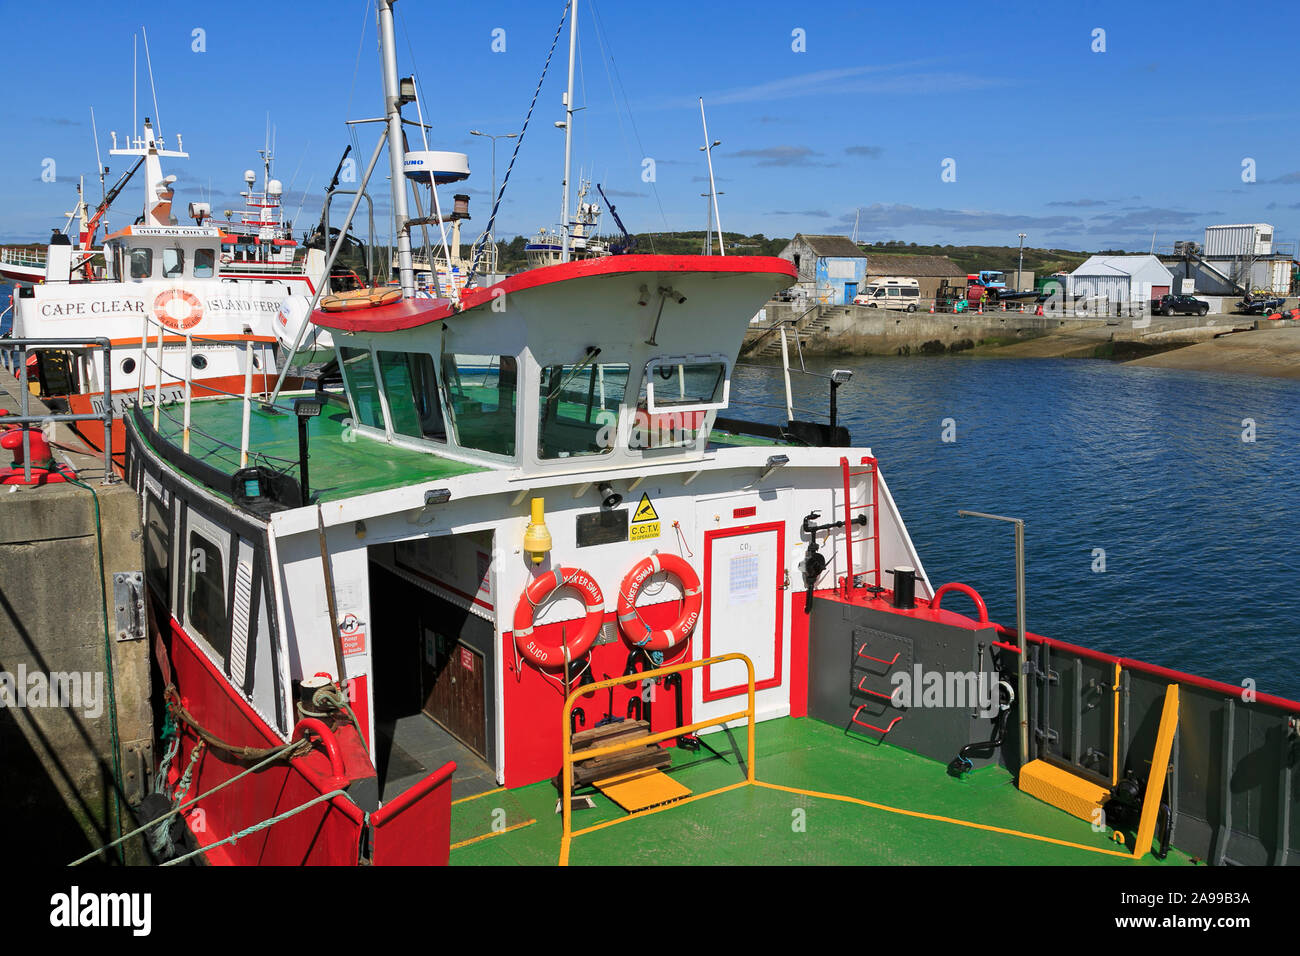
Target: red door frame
(708, 692)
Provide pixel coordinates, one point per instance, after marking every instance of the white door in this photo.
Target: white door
(744, 612)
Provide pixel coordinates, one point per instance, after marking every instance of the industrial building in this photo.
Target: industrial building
(930, 272)
(1114, 281)
(1235, 259)
(831, 268)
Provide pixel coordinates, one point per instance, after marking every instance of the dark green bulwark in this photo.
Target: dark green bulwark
(342, 463)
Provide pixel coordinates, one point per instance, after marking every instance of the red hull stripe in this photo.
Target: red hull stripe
(411, 313)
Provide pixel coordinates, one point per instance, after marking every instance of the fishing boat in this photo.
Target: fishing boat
(178, 306)
(532, 549)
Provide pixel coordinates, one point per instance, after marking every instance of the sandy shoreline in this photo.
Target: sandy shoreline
(1271, 352)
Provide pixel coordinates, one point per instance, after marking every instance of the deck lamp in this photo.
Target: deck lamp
(838, 377)
(773, 463)
(432, 497)
(306, 409)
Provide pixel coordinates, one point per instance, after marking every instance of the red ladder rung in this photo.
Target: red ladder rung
(873, 693)
(863, 723)
(880, 660)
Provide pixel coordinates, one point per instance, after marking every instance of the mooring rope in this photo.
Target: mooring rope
(291, 749)
(260, 826)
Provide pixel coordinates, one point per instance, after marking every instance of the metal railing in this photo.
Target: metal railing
(757, 343)
(600, 751)
(186, 379)
(23, 257)
(16, 349)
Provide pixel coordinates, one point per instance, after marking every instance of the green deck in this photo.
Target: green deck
(341, 464)
(756, 825)
(723, 438)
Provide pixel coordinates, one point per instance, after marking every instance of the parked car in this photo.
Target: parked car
(1180, 304)
(890, 293)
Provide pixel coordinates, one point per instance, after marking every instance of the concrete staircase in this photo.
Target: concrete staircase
(767, 343)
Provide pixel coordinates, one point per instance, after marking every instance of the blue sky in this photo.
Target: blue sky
(1077, 148)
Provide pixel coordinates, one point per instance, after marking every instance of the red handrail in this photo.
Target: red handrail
(327, 738)
(1154, 670)
(965, 589)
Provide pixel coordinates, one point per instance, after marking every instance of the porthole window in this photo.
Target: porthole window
(128, 365)
(199, 362)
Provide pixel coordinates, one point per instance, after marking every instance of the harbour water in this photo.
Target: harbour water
(1155, 528)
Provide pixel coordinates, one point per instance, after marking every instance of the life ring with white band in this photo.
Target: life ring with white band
(539, 590)
(629, 621)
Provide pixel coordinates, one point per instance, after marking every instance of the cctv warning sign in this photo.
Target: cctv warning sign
(645, 521)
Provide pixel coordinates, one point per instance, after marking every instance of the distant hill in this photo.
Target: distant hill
(971, 258)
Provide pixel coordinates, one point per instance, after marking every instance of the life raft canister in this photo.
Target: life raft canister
(541, 588)
(178, 317)
(629, 621)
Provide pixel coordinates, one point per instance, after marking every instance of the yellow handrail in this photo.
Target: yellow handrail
(567, 730)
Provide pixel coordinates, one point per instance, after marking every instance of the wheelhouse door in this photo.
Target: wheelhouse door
(744, 612)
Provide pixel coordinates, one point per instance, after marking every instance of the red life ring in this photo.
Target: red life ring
(536, 592)
(629, 621)
(193, 309)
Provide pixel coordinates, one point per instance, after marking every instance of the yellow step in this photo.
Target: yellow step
(1066, 791)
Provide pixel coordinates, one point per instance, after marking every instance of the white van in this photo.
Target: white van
(890, 292)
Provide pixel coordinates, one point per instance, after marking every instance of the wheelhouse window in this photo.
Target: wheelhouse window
(363, 390)
(141, 263)
(673, 383)
(173, 260)
(481, 392)
(674, 402)
(578, 409)
(412, 391)
(205, 606)
(204, 263)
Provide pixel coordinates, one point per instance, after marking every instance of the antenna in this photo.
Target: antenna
(149, 63)
(135, 73)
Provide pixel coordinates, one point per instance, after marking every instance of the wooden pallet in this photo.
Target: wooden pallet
(649, 756)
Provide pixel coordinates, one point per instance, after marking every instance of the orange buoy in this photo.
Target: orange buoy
(541, 588)
(634, 629)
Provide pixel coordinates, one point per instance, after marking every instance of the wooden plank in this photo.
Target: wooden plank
(608, 733)
(1159, 768)
(655, 757)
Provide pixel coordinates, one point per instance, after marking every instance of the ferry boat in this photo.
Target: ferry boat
(195, 306)
(532, 531)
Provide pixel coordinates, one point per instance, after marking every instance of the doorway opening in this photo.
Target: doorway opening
(433, 663)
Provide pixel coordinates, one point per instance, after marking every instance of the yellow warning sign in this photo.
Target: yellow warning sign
(645, 511)
(645, 521)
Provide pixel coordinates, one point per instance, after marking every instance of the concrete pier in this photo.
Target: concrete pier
(57, 789)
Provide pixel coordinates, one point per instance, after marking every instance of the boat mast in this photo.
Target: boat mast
(568, 125)
(396, 146)
(713, 189)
